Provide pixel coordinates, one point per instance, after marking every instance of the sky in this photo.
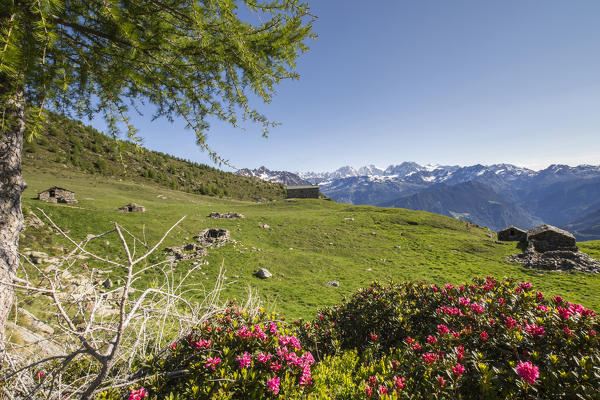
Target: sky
(436, 82)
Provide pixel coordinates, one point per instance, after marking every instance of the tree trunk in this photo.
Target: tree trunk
(11, 187)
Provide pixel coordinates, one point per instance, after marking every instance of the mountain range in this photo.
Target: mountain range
(495, 195)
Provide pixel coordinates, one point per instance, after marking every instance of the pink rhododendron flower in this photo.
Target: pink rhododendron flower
(201, 344)
(263, 358)
(273, 328)
(458, 369)
(464, 301)
(443, 329)
(477, 308)
(557, 299)
(568, 332)
(539, 295)
(510, 322)
(306, 378)
(244, 332)
(40, 375)
(245, 360)
(483, 336)
(592, 332)
(542, 308)
(373, 337)
(564, 313)
(382, 390)
(259, 333)
(399, 382)
(429, 358)
(528, 371)
(273, 384)
(173, 345)
(212, 362)
(525, 285)
(138, 394)
(275, 366)
(441, 381)
(290, 340)
(535, 330)
(431, 339)
(372, 380)
(501, 301)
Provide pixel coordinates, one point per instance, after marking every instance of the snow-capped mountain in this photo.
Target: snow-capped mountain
(556, 195)
(287, 178)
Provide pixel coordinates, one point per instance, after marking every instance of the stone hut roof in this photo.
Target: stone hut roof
(513, 229)
(545, 229)
(302, 187)
(57, 188)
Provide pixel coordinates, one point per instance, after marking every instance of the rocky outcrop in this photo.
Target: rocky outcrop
(189, 251)
(562, 260)
(227, 215)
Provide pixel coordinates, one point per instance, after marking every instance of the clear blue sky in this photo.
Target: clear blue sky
(447, 82)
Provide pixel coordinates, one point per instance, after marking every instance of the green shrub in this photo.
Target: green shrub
(233, 355)
(486, 340)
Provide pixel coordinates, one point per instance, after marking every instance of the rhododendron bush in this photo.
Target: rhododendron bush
(233, 355)
(488, 340)
(483, 340)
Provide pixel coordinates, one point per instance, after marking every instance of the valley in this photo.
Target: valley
(494, 196)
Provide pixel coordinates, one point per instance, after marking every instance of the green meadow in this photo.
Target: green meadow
(307, 244)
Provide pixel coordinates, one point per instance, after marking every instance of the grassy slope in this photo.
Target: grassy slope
(297, 249)
(67, 143)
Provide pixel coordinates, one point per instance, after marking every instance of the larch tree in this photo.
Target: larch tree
(191, 59)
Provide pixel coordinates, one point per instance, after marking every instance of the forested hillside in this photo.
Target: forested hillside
(76, 145)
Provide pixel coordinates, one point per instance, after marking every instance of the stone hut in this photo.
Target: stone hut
(549, 238)
(512, 234)
(302, 192)
(57, 195)
(132, 207)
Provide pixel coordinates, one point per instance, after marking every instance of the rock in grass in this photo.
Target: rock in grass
(333, 283)
(263, 273)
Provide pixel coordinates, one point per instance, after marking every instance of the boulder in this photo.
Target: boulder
(33, 323)
(28, 342)
(263, 273)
